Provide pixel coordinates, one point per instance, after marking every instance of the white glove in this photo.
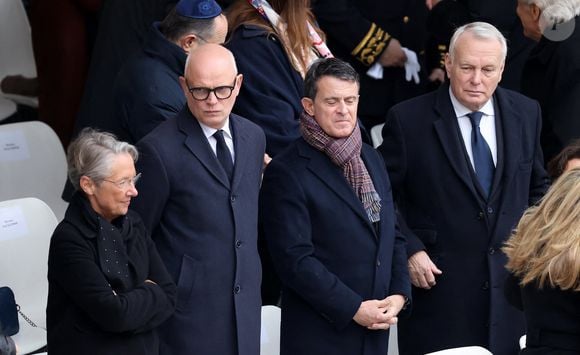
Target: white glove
(412, 66)
(376, 71)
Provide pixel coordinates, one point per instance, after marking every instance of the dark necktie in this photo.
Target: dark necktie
(482, 159)
(223, 154)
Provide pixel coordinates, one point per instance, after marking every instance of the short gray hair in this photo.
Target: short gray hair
(557, 11)
(90, 155)
(480, 30)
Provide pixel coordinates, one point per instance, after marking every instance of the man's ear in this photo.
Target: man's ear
(189, 42)
(87, 185)
(183, 84)
(308, 105)
(536, 12)
(239, 80)
(448, 64)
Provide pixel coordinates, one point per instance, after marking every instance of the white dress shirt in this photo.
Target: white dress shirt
(486, 126)
(228, 137)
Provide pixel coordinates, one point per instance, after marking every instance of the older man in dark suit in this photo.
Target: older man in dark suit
(199, 197)
(330, 225)
(465, 162)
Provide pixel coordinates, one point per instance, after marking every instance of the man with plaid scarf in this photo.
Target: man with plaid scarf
(330, 225)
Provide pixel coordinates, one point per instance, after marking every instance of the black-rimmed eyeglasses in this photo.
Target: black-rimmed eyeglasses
(220, 92)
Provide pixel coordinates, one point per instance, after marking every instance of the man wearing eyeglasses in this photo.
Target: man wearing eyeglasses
(146, 90)
(199, 198)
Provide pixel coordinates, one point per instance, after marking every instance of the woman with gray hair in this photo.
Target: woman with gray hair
(108, 287)
(552, 72)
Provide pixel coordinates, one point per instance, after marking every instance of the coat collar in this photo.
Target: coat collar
(197, 144)
(447, 131)
(331, 175)
(159, 47)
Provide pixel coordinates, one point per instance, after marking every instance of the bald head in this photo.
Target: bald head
(211, 56)
(211, 84)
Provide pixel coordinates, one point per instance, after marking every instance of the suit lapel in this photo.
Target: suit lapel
(511, 122)
(241, 145)
(447, 131)
(331, 175)
(197, 144)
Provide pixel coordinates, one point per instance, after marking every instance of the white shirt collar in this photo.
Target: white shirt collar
(461, 110)
(209, 131)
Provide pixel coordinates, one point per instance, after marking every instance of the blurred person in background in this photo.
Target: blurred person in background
(552, 72)
(567, 159)
(544, 262)
(274, 43)
(146, 90)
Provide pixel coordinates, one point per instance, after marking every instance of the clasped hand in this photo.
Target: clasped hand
(379, 314)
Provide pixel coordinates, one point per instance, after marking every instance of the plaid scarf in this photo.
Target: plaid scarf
(345, 152)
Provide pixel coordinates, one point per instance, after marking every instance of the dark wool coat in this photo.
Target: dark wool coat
(272, 90)
(206, 229)
(552, 317)
(147, 90)
(328, 254)
(83, 315)
(448, 217)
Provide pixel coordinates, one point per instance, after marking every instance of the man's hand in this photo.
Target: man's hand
(437, 75)
(431, 3)
(395, 304)
(372, 314)
(422, 270)
(393, 55)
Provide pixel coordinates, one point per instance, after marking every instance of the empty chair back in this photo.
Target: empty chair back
(466, 350)
(26, 226)
(32, 164)
(16, 56)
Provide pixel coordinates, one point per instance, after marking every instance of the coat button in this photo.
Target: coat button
(480, 215)
(489, 210)
(378, 263)
(491, 251)
(485, 285)
(238, 243)
(233, 198)
(237, 289)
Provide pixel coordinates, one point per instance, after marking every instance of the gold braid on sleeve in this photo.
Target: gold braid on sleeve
(372, 45)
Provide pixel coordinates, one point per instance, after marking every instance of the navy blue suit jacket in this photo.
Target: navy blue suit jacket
(205, 229)
(328, 254)
(448, 217)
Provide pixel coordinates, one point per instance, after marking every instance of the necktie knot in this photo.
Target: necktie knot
(475, 118)
(219, 135)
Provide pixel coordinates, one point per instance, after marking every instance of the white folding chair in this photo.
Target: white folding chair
(522, 342)
(376, 134)
(16, 55)
(26, 226)
(466, 350)
(393, 341)
(270, 332)
(32, 164)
